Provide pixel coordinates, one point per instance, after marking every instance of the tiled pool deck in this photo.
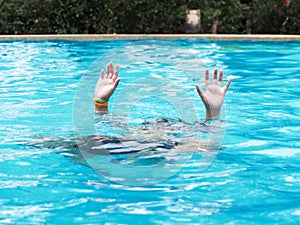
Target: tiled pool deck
(140, 36)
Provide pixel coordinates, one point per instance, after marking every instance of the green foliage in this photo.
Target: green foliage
(268, 17)
(142, 16)
(293, 24)
(229, 13)
(145, 16)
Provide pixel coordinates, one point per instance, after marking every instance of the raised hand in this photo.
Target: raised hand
(213, 97)
(107, 83)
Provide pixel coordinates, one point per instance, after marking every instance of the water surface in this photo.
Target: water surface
(253, 179)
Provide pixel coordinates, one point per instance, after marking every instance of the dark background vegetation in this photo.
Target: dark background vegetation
(147, 16)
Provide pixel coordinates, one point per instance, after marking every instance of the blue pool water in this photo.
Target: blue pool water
(253, 179)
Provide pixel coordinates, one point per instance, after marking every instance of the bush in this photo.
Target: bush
(228, 14)
(143, 16)
(269, 17)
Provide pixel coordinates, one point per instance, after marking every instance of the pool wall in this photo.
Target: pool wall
(140, 36)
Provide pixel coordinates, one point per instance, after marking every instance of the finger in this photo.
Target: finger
(111, 68)
(116, 83)
(227, 85)
(220, 81)
(107, 69)
(117, 70)
(214, 81)
(115, 76)
(206, 78)
(110, 75)
(201, 94)
(102, 74)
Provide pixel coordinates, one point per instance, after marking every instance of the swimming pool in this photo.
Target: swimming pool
(254, 178)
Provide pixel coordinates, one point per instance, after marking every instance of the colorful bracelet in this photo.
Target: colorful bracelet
(100, 103)
(99, 100)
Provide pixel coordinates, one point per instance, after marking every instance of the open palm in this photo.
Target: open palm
(107, 83)
(213, 98)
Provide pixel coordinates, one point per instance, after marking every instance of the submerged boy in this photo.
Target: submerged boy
(212, 98)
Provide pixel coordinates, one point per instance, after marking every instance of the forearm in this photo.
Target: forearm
(101, 110)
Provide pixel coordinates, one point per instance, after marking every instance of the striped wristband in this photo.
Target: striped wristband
(100, 103)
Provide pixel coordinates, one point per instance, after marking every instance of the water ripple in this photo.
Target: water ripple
(253, 179)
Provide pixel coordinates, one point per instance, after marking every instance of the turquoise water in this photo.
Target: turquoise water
(253, 179)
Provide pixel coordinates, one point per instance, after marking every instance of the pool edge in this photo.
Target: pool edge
(102, 37)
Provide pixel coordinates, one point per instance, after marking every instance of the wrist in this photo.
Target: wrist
(212, 114)
(100, 101)
(101, 105)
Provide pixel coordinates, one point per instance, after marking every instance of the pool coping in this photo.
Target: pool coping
(101, 37)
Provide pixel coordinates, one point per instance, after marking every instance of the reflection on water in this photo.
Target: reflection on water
(149, 143)
(140, 154)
